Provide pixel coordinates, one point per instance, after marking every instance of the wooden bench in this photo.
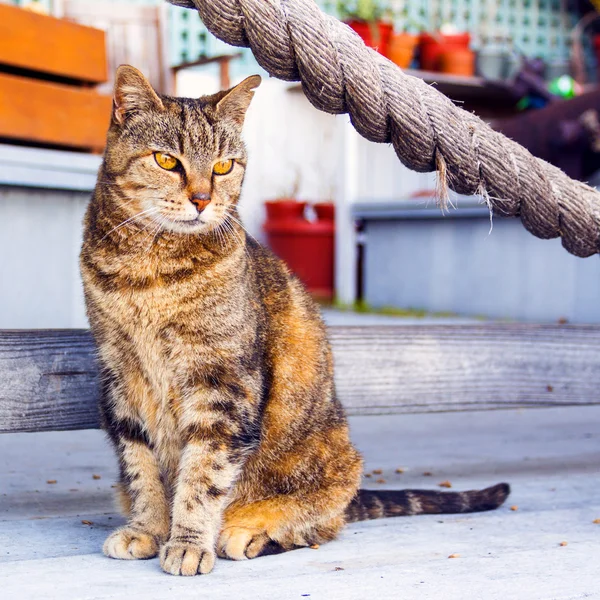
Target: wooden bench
(48, 379)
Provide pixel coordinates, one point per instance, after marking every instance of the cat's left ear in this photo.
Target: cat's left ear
(235, 102)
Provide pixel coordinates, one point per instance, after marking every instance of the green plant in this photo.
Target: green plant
(369, 11)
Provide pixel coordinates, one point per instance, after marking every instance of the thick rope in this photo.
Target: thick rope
(293, 40)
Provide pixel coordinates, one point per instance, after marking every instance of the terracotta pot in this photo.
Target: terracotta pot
(401, 49)
(375, 35)
(432, 46)
(458, 62)
(285, 209)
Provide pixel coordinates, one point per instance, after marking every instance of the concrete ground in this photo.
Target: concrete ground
(51, 533)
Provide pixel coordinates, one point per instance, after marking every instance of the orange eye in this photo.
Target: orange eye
(223, 167)
(165, 161)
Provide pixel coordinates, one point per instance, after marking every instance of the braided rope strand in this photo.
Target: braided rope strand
(293, 40)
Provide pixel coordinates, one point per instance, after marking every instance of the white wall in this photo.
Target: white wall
(40, 237)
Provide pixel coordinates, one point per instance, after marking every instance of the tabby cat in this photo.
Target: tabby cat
(217, 377)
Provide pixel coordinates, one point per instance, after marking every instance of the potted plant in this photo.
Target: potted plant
(447, 50)
(366, 17)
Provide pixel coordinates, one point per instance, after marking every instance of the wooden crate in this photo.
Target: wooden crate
(51, 46)
(52, 114)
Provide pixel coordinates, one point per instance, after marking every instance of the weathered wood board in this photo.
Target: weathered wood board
(56, 47)
(48, 379)
(52, 114)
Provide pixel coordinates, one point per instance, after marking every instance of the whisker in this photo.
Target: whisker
(240, 224)
(136, 216)
(231, 228)
(158, 229)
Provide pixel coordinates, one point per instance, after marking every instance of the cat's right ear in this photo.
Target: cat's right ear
(133, 93)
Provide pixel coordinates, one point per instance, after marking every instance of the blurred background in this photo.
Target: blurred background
(361, 230)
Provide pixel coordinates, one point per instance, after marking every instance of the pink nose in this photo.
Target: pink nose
(200, 201)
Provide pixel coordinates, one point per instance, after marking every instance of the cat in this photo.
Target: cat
(216, 373)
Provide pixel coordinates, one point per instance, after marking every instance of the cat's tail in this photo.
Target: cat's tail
(372, 504)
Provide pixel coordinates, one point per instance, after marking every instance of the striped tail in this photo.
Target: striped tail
(371, 504)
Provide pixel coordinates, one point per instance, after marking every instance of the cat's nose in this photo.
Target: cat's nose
(200, 201)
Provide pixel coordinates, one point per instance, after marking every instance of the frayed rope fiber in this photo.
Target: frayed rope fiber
(293, 40)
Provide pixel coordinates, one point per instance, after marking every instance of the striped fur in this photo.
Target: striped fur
(217, 376)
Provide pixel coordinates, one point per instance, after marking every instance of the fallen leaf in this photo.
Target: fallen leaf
(454, 556)
(400, 471)
(51, 481)
(445, 484)
(564, 544)
(338, 569)
(86, 522)
(368, 475)
(377, 471)
(315, 547)
(596, 521)
(380, 480)
(96, 477)
(427, 474)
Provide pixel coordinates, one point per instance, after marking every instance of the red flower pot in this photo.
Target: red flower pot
(375, 35)
(325, 211)
(433, 46)
(285, 208)
(307, 248)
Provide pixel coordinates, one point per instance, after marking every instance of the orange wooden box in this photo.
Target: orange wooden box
(53, 114)
(40, 43)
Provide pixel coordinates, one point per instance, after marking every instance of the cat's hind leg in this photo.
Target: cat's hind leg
(277, 525)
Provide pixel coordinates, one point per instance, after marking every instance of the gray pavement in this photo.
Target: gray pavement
(551, 458)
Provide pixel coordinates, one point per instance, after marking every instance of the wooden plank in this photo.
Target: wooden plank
(52, 114)
(41, 43)
(48, 379)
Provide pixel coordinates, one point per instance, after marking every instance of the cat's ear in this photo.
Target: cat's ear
(133, 93)
(235, 102)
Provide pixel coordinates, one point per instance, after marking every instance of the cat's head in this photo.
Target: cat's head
(178, 163)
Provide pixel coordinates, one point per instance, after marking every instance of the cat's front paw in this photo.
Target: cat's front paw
(178, 558)
(129, 544)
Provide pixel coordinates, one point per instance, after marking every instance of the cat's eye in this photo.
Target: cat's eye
(165, 161)
(223, 167)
